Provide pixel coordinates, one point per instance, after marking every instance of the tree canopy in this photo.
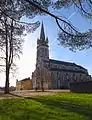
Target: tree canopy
(69, 36)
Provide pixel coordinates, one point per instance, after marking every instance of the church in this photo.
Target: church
(55, 74)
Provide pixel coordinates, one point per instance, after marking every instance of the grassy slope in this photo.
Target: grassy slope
(65, 106)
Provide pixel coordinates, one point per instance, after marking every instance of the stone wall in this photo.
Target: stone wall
(57, 76)
(24, 84)
(59, 80)
(81, 87)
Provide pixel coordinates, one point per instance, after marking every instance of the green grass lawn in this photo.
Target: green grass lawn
(64, 106)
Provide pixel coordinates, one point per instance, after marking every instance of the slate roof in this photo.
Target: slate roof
(65, 63)
(65, 70)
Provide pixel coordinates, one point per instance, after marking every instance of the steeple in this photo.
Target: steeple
(42, 46)
(42, 34)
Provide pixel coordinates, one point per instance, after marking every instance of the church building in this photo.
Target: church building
(55, 74)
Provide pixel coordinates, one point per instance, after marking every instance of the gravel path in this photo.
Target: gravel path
(28, 93)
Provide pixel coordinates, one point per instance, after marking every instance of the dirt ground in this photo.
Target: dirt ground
(28, 93)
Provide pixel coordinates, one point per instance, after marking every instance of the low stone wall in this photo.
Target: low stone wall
(81, 87)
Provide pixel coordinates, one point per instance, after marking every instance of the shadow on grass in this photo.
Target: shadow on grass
(65, 104)
(68, 106)
(25, 113)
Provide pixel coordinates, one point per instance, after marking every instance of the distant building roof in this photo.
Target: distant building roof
(25, 79)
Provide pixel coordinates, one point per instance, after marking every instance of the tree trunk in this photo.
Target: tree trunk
(42, 86)
(6, 91)
(7, 72)
(42, 82)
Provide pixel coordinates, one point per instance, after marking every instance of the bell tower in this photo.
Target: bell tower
(42, 74)
(42, 46)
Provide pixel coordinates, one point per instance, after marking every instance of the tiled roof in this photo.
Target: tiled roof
(25, 79)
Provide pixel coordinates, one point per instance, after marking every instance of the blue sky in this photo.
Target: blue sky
(27, 61)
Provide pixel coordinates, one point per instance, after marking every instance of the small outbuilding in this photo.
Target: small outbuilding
(25, 84)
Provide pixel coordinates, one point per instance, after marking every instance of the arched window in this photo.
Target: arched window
(74, 77)
(80, 77)
(42, 52)
(45, 51)
(66, 75)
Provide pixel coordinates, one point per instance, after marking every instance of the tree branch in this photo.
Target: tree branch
(90, 1)
(84, 9)
(81, 7)
(17, 21)
(36, 5)
(68, 32)
(55, 17)
(3, 58)
(2, 65)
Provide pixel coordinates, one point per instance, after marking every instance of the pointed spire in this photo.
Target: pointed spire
(42, 34)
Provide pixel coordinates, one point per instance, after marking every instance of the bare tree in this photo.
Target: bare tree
(11, 39)
(11, 45)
